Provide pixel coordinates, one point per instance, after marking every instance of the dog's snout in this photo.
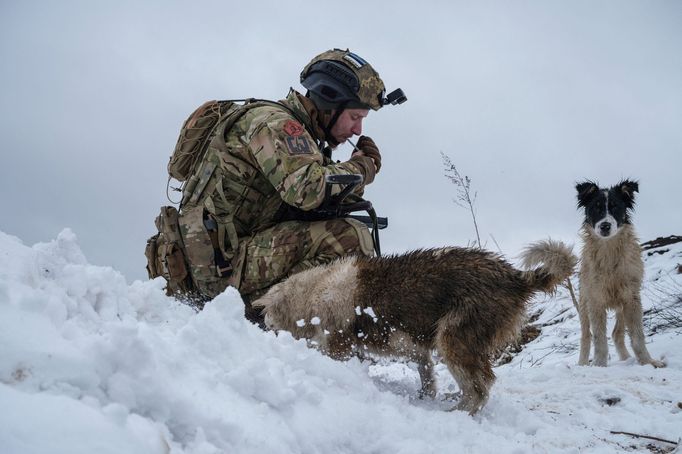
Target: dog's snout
(605, 228)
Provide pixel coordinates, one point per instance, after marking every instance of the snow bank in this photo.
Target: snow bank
(89, 364)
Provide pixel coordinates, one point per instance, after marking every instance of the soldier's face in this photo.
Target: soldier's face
(349, 124)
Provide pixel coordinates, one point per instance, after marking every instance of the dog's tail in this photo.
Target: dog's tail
(556, 261)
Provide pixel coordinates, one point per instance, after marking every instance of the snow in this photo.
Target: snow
(90, 364)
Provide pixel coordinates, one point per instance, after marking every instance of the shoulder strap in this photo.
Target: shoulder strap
(257, 102)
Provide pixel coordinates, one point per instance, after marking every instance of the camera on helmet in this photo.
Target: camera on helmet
(397, 96)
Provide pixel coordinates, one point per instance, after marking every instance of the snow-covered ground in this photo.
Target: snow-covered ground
(90, 364)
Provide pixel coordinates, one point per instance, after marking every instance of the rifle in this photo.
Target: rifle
(382, 222)
(333, 207)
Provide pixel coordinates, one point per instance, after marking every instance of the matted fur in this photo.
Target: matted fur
(464, 302)
(611, 273)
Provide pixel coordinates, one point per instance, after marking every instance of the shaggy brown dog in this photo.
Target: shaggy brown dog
(611, 273)
(465, 303)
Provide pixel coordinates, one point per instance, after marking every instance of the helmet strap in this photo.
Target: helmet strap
(328, 128)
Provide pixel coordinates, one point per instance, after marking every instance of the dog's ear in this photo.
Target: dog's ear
(628, 188)
(586, 192)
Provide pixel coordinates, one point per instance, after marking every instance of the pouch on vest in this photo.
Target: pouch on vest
(165, 254)
(208, 269)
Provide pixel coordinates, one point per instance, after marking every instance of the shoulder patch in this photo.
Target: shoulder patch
(298, 145)
(293, 128)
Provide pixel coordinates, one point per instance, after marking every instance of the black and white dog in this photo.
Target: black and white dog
(611, 273)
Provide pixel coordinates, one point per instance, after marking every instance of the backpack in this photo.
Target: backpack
(194, 136)
(197, 131)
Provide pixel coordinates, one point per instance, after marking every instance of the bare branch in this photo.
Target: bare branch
(616, 432)
(569, 286)
(464, 198)
(666, 312)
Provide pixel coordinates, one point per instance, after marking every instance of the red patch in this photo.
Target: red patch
(293, 128)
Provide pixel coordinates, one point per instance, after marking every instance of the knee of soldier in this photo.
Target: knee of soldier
(355, 237)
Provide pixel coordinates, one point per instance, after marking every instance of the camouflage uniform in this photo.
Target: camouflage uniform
(270, 157)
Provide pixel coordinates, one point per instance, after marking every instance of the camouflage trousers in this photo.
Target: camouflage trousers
(289, 247)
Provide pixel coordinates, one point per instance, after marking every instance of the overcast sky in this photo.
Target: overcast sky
(526, 97)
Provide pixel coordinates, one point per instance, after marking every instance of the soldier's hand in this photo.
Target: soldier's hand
(367, 146)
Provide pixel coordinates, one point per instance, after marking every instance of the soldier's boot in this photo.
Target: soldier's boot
(253, 315)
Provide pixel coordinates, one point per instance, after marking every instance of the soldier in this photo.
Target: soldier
(245, 218)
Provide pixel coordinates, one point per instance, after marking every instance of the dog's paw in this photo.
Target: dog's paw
(658, 364)
(452, 397)
(471, 406)
(426, 393)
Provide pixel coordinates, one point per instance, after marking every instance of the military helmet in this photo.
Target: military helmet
(340, 77)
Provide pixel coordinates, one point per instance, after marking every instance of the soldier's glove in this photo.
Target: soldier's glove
(365, 166)
(369, 148)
